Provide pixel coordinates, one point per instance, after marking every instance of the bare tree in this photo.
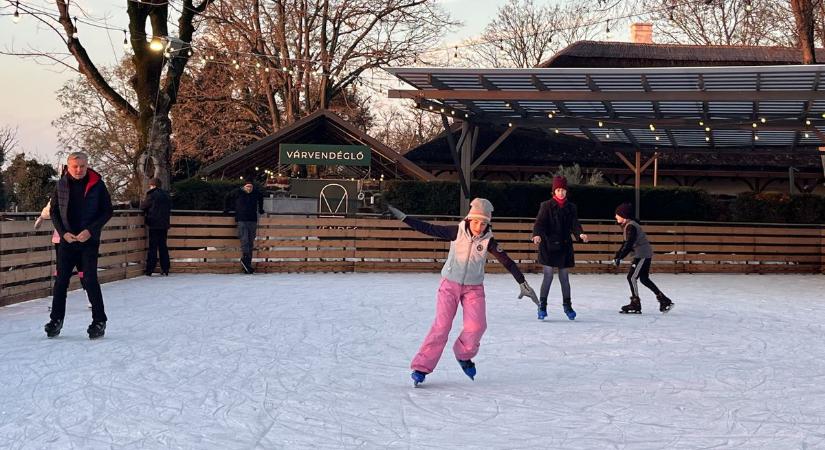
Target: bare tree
(722, 22)
(523, 34)
(316, 49)
(91, 124)
(155, 90)
(404, 128)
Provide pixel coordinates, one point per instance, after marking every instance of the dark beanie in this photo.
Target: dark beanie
(559, 182)
(625, 210)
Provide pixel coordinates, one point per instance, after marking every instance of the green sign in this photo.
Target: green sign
(325, 155)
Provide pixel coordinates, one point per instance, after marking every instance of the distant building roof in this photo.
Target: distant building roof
(628, 54)
(320, 127)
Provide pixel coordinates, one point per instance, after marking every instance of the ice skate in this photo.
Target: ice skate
(542, 312)
(665, 304)
(417, 377)
(469, 367)
(568, 309)
(96, 330)
(53, 328)
(634, 307)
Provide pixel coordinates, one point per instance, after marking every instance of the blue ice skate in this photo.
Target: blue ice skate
(468, 367)
(417, 377)
(542, 313)
(568, 309)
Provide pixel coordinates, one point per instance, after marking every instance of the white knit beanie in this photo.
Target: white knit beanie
(482, 209)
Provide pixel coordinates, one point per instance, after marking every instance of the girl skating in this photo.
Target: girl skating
(461, 284)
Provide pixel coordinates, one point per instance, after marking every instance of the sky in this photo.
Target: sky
(28, 99)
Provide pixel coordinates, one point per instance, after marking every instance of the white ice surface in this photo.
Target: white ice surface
(322, 361)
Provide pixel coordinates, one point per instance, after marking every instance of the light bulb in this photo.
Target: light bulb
(156, 44)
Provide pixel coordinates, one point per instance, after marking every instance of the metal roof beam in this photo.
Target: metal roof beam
(556, 96)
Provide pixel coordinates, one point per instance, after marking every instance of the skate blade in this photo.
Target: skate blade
(668, 308)
(630, 312)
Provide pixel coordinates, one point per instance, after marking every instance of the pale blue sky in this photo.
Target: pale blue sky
(28, 102)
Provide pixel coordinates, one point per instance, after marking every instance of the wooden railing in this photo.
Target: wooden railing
(207, 242)
(27, 258)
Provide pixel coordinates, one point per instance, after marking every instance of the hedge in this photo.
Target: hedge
(523, 199)
(195, 193)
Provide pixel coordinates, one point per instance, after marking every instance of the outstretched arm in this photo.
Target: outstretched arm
(448, 233)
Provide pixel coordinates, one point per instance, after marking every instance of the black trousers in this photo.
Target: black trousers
(77, 255)
(157, 244)
(640, 270)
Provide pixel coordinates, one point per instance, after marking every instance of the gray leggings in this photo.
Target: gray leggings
(564, 277)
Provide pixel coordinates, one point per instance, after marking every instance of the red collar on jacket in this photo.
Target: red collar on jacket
(94, 177)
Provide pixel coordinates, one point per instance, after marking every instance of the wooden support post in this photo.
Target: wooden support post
(655, 169)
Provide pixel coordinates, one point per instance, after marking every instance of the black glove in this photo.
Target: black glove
(397, 213)
(617, 261)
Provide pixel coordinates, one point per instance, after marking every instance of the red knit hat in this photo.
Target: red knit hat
(559, 182)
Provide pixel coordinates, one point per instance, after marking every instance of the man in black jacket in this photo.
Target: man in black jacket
(247, 202)
(80, 206)
(158, 208)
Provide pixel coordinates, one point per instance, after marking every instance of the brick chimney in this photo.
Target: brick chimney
(641, 33)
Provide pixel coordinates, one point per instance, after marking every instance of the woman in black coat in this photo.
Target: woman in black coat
(557, 223)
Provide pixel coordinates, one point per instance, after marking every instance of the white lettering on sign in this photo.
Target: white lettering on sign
(340, 155)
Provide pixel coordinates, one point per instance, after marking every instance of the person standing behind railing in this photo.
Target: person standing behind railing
(158, 208)
(248, 203)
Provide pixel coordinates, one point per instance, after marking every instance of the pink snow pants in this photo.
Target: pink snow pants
(450, 295)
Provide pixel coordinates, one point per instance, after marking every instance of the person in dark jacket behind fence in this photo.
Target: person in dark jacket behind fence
(635, 241)
(80, 207)
(158, 209)
(248, 203)
(557, 223)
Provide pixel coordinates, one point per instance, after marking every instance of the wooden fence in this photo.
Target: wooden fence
(27, 258)
(206, 242)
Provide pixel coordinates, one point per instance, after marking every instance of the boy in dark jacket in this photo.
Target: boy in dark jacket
(248, 203)
(635, 241)
(158, 209)
(80, 207)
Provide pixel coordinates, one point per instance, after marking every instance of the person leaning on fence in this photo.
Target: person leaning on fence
(158, 208)
(635, 241)
(248, 203)
(80, 207)
(462, 281)
(557, 223)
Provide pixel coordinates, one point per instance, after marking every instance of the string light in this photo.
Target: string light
(707, 138)
(556, 131)
(600, 124)
(16, 17)
(550, 115)
(754, 124)
(701, 123)
(763, 120)
(657, 138)
(652, 128)
(807, 135)
(125, 40)
(607, 135)
(755, 137)
(74, 33)
(807, 121)
(156, 44)
(707, 129)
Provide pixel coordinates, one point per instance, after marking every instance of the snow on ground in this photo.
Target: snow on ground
(322, 361)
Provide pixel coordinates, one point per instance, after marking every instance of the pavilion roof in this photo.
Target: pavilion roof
(719, 108)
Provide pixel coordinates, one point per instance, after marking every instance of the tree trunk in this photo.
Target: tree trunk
(803, 11)
(155, 139)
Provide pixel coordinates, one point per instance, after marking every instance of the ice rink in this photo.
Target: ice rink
(322, 361)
